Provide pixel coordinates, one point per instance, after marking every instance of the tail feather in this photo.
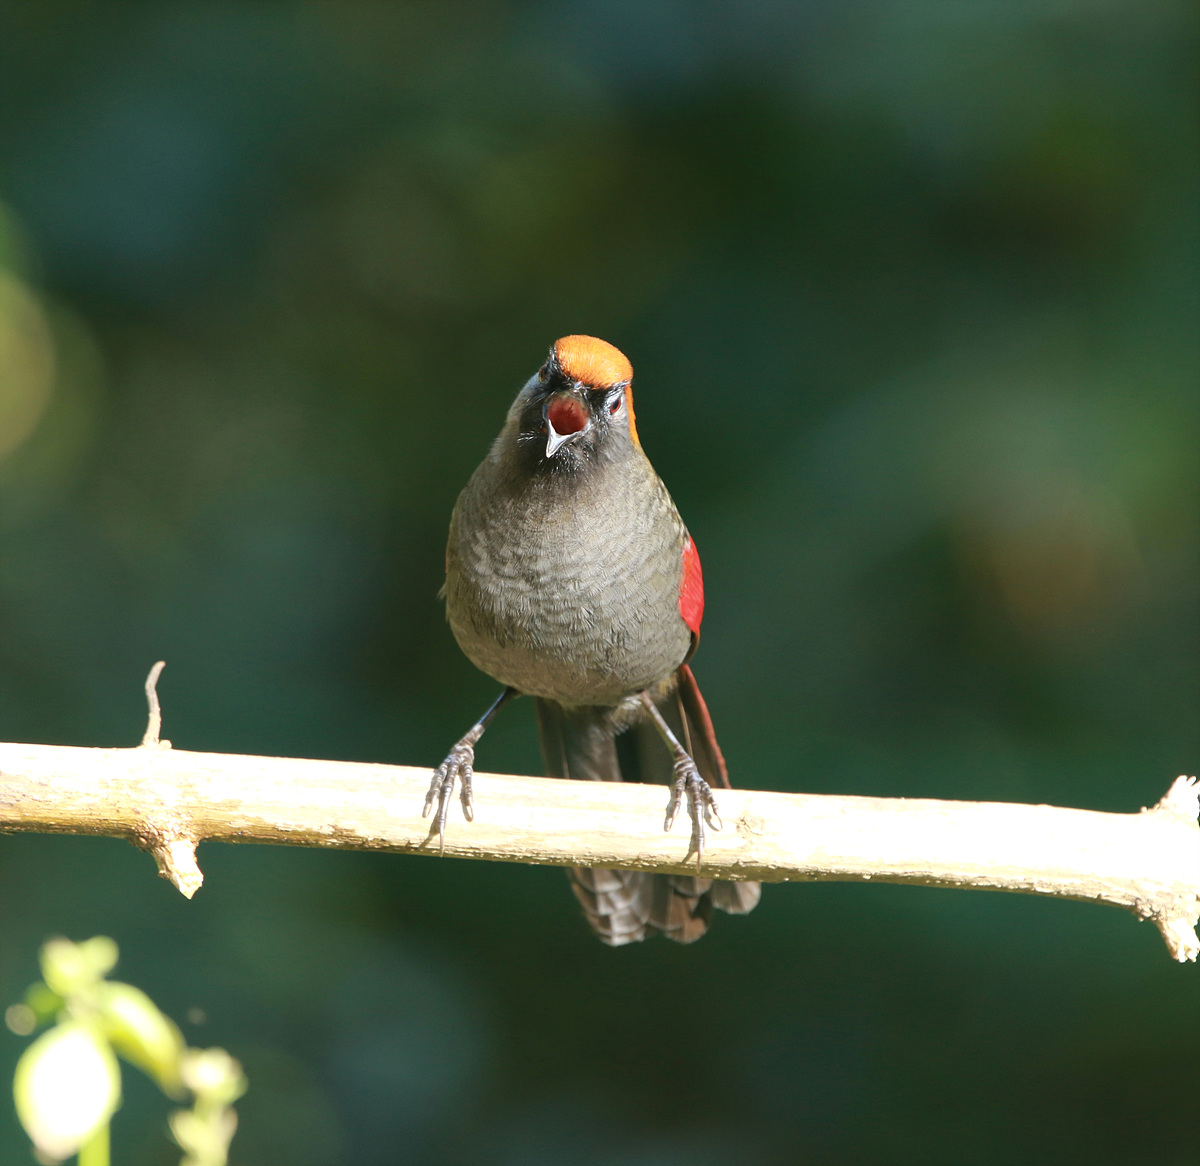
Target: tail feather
(577, 743)
(682, 907)
(618, 903)
(705, 751)
(624, 906)
(736, 898)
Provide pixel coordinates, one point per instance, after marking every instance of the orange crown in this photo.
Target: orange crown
(594, 362)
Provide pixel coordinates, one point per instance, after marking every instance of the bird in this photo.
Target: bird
(572, 579)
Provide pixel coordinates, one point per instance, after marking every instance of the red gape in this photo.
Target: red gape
(567, 415)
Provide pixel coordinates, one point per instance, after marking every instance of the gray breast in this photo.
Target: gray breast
(568, 587)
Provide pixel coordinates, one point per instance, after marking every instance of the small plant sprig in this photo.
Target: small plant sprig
(68, 1083)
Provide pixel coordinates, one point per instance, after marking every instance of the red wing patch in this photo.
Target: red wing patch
(691, 588)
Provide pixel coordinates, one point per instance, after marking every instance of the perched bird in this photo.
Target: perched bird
(571, 578)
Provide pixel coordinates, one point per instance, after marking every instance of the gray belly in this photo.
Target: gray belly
(546, 596)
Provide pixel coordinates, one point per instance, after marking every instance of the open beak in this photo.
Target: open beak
(566, 417)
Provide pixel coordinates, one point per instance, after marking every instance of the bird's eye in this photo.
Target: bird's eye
(543, 372)
(614, 406)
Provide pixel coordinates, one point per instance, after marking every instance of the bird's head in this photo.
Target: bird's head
(577, 405)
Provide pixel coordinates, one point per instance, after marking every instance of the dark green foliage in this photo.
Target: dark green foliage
(910, 294)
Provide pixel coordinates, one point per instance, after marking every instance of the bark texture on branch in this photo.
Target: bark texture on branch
(167, 800)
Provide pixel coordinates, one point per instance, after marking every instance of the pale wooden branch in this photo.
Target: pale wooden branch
(166, 800)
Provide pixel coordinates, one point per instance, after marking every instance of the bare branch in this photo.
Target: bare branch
(166, 800)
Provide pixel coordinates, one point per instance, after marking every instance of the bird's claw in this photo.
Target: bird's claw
(701, 803)
(459, 766)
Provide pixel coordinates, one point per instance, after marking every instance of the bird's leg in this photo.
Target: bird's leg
(701, 803)
(460, 766)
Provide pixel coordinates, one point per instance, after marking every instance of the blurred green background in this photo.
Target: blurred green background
(911, 292)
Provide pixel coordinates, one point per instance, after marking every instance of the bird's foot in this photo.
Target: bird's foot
(702, 805)
(459, 766)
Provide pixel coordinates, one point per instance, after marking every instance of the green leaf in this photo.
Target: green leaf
(45, 1004)
(69, 967)
(141, 1033)
(67, 1085)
